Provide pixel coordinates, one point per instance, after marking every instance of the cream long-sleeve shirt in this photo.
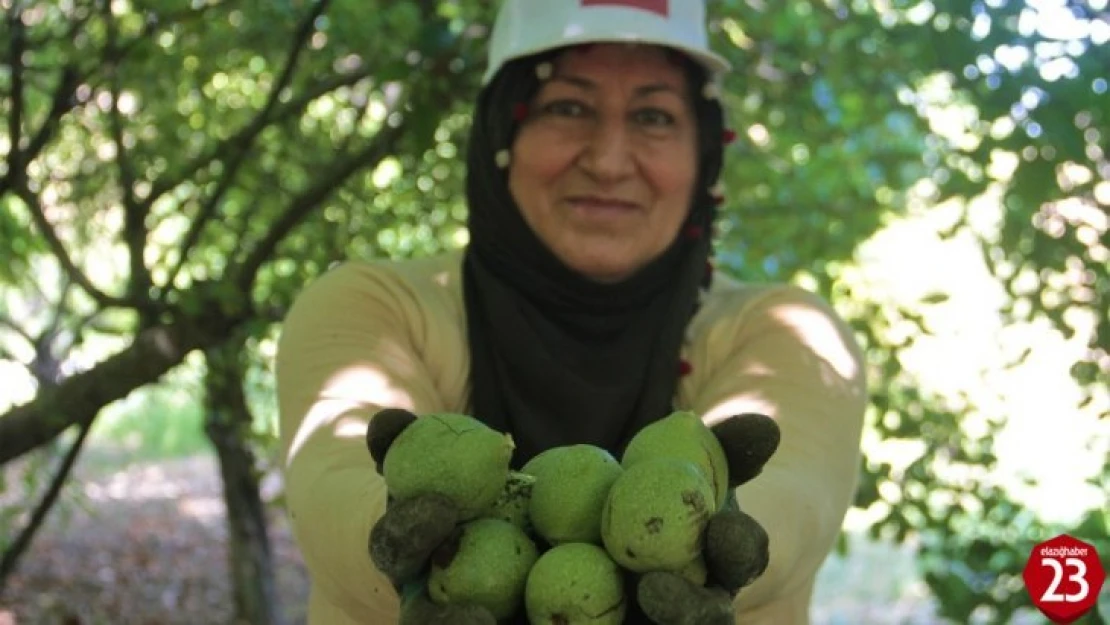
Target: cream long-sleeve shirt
(373, 334)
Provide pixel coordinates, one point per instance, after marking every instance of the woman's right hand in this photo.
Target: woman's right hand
(405, 538)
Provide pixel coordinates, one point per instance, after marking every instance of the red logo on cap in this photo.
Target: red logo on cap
(660, 7)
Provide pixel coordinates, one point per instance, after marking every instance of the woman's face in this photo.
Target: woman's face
(604, 166)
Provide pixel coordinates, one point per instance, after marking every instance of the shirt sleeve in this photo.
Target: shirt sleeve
(346, 351)
(785, 353)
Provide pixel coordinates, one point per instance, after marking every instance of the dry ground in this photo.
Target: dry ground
(145, 547)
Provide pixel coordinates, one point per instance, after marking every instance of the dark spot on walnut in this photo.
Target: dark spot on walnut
(694, 501)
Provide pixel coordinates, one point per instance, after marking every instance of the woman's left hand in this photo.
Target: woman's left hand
(736, 554)
(736, 548)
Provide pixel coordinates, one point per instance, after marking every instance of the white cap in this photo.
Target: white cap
(526, 27)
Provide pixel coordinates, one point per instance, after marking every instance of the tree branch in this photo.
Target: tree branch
(59, 307)
(303, 33)
(38, 215)
(63, 99)
(74, 334)
(16, 48)
(134, 214)
(53, 340)
(247, 134)
(239, 149)
(6, 354)
(383, 145)
(10, 323)
(19, 546)
(61, 103)
(78, 399)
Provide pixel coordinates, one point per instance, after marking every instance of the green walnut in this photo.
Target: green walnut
(512, 504)
(572, 484)
(656, 515)
(575, 584)
(682, 435)
(453, 455)
(487, 564)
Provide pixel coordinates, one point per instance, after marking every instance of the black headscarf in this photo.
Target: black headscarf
(557, 358)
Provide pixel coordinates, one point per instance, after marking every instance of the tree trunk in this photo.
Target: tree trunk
(227, 424)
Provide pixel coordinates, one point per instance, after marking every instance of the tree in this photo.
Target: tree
(187, 142)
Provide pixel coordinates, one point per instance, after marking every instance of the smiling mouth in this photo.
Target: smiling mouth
(595, 203)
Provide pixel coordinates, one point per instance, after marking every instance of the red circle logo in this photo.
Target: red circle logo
(1064, 577)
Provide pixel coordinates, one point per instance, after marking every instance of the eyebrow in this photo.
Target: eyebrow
(589, 85)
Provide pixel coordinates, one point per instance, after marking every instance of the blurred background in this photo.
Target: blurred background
(173, 172)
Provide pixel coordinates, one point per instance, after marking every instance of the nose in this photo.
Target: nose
(607, 155)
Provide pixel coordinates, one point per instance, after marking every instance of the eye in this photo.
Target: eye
(565, 108)
(653, 117)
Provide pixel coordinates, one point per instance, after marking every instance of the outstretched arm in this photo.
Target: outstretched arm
(787, 355)
(346, 351)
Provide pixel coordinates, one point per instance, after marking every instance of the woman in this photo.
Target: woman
(583, 307)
